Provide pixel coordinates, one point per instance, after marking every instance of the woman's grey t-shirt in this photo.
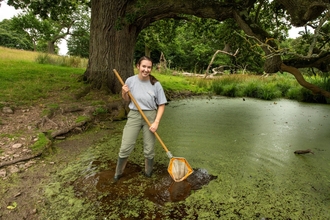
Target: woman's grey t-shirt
(148, 96)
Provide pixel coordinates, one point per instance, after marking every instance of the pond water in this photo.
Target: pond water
(242, 153)
(249, 145)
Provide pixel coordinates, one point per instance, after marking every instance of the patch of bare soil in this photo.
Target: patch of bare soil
(23, 194)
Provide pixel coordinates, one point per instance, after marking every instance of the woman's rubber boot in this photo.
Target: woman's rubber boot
(149, 163)
(121, 164)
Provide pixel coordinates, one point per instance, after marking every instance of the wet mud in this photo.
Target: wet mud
(159, 189)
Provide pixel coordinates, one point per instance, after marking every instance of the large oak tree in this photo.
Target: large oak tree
(115, 25)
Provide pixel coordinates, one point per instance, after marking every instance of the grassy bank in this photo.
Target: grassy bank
(28, 77)
(24, 81)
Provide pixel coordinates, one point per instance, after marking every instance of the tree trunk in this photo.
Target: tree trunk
(147, 51)
(111, 46)
(34, 46)
(51, 47)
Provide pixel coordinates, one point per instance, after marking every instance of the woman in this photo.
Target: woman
(150, 96)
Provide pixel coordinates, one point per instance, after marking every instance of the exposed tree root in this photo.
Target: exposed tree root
(8, 163)
(68, 129)
(43, 120)
(72, 109)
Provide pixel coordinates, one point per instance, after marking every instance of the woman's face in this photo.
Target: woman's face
(144, 69)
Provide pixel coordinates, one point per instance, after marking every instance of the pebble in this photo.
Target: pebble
(18, 194)
(13, 169)
(29, 164)
(7, 110)
(3, 173)
(16, 146)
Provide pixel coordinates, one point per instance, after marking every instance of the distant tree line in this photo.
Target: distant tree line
(29, 31)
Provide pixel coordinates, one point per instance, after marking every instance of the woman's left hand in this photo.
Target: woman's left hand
(154, 126)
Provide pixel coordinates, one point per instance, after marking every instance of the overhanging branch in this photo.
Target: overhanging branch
(300, 79)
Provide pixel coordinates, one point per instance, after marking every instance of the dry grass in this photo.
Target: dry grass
(14, 54)
(9, 54)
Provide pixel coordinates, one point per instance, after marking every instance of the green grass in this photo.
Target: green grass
(181, 83)
(82, 118)
(42, 143)
(268, 88)
(23, 81)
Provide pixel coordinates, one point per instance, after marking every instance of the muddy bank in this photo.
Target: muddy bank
(22, 194)
(159, 189)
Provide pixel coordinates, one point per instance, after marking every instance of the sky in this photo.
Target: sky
(7, 12)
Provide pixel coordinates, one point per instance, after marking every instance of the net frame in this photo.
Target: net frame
(179, 169)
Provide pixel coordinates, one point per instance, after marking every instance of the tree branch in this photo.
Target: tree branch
(300, 79)
(213, 57)
(317, 33)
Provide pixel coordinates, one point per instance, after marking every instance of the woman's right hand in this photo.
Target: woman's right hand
(124, 92)
(125, 88)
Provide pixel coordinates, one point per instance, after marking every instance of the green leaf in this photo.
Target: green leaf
(13, 206)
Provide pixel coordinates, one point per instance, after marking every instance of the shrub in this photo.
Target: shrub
(268, 91)
(67, 61)
(294, 93)
(44, 58)
(229, 90)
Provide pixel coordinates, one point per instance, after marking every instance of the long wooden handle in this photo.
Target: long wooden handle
(141, 112)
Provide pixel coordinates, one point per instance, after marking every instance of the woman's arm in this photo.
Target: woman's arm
(124, 93)
(160, 111)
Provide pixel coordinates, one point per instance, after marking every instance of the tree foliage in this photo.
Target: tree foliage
(12, 37)
(36, 29)
(189, 43)
(78, 42)
(49, 22)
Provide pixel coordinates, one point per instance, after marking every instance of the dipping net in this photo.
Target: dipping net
(179, 169)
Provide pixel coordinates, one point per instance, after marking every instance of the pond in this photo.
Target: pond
(250, 146)
(242, 152)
